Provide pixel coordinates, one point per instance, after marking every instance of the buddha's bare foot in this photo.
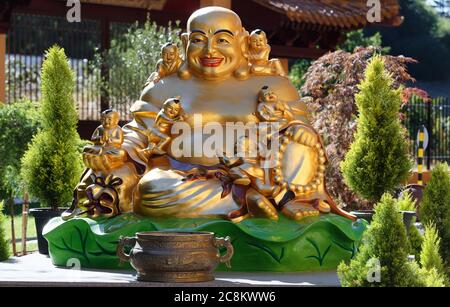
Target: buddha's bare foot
(297, 210)
(263, 208)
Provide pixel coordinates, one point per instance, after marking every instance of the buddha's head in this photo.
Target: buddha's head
(169, 53)
(172, 107)
(110, 119)
(216, 44)
(258, 40)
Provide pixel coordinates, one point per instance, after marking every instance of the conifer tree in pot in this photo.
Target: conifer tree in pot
(378, 160)
(382, 259)
(52, 164)
(435, 207)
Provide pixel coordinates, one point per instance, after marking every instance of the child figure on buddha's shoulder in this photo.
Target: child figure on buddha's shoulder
(258, 55)
(169, 63)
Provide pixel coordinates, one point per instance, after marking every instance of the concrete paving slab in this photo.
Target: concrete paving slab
(37, 270)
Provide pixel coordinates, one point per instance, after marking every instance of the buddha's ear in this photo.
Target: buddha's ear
(245, 40)
(185, 39)
(242, 72)
(184, 72)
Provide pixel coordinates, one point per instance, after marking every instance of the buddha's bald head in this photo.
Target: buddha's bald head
(215, 43)
(215, 17)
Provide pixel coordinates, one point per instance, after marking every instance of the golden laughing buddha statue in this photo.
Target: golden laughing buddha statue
(203, 172)
(220, 94)
(216, 85)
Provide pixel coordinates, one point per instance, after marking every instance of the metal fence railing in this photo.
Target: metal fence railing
(30, 36)
(435, 116)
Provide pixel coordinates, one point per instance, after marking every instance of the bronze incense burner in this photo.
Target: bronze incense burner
(175, 256)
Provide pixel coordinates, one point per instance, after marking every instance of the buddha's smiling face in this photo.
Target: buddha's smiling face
(214, 46)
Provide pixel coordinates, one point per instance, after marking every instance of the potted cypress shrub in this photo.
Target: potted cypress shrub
(435, 207)
(385, 246)
(378, 160)
(52, 164)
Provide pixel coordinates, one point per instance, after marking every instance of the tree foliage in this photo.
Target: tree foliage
(4, 250)
(435, 206)
(132, 57)
(18, 123)
(52, 165)
(378, 161)
(423, 36)
(415, 241)
(385, 241)
(332, 81)
(407, 203)
(429, 256)
(354, 39)
(432, 267)
(357, 38)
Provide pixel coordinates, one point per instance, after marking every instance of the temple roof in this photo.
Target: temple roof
(345, 14)
(333, 13)
(142, 4)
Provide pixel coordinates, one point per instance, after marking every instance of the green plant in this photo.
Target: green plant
(298, 71)
(18, 123)
(435, 207)
(332, 81)
(432, 267)
(52, 164)
(426, 43)
(132, 57)
(415, 241)
(378, 160)
(4, 250)
(432, 278)
(357, 38)
(385, 241)
(406, 203)
(429, 256)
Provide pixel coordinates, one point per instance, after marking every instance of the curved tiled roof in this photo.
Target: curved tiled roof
(334, 13)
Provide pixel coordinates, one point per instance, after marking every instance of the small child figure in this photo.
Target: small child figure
(248, 174)
(159, 135)
(108, 137)
(169, 63)
(258, 55)
(271, 109)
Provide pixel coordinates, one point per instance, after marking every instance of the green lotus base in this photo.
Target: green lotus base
(313, 244)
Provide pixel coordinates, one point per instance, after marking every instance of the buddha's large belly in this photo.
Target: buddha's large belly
(203, 144)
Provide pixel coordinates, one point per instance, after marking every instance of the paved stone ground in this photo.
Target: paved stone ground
(37, 270)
